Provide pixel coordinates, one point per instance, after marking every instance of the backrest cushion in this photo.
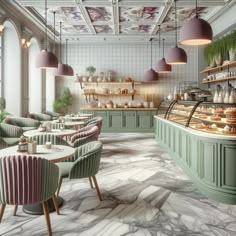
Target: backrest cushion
(79, 134)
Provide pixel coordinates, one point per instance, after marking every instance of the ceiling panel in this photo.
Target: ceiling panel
(115, 18)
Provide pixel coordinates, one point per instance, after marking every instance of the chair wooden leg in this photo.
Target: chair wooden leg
(55, 202)
(2, 208)
(91, 182)
(59, 187)
(97, 188)
(47, 217)
(15, 210)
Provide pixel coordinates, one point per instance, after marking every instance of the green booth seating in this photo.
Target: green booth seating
(9, 135)
(54, 115)
(40, 116)
(25, 123)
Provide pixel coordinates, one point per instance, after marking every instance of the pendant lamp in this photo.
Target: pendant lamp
(46, 59)
(151, 75)
(71, 71)
(162, 66)
(196, 32)
(62, 69)
(176, 55)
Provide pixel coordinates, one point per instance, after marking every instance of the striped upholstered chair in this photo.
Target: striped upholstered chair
(28, 180)
(85, 136)
(41, 139)
(84, 164)
(97, 120)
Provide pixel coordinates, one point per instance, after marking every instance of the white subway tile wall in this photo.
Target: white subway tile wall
(126, 60)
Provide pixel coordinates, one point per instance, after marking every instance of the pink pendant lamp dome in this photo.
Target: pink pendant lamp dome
(62, 69)
(176, 55)
(71, 71)
(196, 32)
(46, 59)
(151, 75)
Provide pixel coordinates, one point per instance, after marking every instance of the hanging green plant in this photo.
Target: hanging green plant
(91, 70)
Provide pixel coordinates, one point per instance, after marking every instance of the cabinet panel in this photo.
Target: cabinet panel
(129, 119)
(193, 154)
(228, 165)
(115, 119)
(208, 162)
(143, 120)
(104, 115)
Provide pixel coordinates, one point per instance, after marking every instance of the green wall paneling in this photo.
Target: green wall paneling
(143, 119)
(193, 154)
(228, 167)
(104, 115)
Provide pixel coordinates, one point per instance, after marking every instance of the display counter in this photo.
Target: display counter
(201, 138)
(124, 120)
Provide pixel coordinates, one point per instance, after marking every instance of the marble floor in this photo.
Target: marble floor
(145, 194)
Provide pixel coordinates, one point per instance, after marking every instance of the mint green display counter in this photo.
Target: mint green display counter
(125, 120)
(209, 159)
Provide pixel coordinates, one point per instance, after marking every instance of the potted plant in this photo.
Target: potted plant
(62, 103)
(91, 70)
(231, 45)
(3, 114)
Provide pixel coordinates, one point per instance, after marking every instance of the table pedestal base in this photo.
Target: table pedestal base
(37, 209)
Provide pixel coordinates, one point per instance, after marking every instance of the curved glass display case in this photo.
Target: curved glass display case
(216, 118)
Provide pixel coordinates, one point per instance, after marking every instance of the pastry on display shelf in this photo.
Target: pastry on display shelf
(231, 119)
(212, 127)
(202, 116)
(215, 118)
(218, 110)
(199, 126)
(230, 110)
(228, 130)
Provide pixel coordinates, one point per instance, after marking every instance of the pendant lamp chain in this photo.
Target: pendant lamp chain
(66, 50)
(151, 52)
(159, 38)
(196, 9)
(46, 26)
(176, 37)
(60, 43)
(163, 47)
(54, 38)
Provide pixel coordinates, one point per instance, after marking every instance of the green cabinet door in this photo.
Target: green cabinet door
(104, 115)
(129, 121)
(115, 119)
(143, 119)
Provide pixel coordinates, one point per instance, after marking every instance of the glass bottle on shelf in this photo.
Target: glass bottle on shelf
(232, 98)
(215, 98)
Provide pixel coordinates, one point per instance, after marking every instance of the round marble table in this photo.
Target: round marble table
(56, 154)
(86, 114)
(75, 118)
(61, 133)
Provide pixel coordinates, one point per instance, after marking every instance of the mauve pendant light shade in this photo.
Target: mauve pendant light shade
(196, 32)
(61, 70)
(71, 71)
(46, 60)
(151, 75)
(162, 67)
(176, 56)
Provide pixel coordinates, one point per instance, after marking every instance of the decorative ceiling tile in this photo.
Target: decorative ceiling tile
(139, 13)
(99, 13)
(73, 29)
(183, 14)
(103, 29)
(131, 29)
(67, 15)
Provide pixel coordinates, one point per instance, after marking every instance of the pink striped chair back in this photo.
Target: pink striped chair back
(26, 179)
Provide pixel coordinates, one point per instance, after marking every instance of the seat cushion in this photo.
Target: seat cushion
(64, 168)
(11, 141)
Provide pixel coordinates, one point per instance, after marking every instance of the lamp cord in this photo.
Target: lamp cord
(54, 39)
(60, 44)
(196, 9)
(66, 50)
(176, 25)
(46, 25)
(151, 53)
(159, 38)
(163, 47)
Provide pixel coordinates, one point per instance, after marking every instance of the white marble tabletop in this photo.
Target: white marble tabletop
(56, 154)
(74, 118)
(57, 132)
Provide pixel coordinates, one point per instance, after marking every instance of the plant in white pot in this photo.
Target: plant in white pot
(231, 45)
(91, 70)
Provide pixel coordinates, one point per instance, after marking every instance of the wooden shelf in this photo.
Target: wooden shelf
(115, 82)
(111, 94)
(219, 68)
(219, 80)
